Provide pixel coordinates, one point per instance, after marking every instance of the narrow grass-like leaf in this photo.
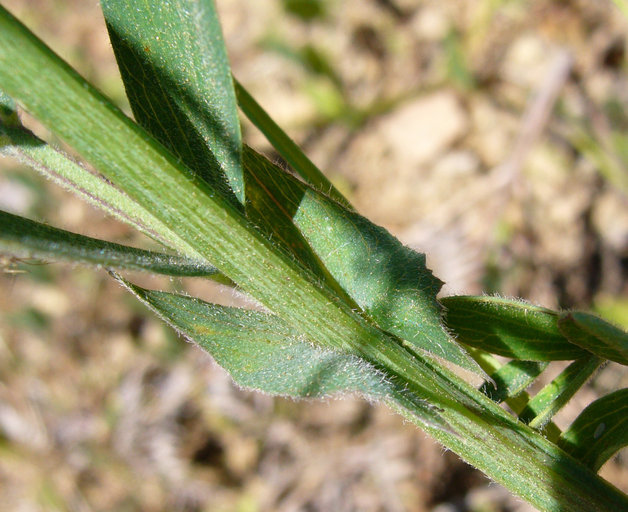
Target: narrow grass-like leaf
(599, 431)
(285, 146)
(26, 238)
(177, 76)
(174, 68)
(156, 46)
(509, 328)
(387, 280)
(130, 28)
(595, 335)
(557, 393)
(21, 144)
(205, 220)
(512, 378)
(476, 428)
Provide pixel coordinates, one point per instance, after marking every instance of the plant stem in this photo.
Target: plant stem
(477, 429)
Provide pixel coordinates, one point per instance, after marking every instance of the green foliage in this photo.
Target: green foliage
(261, 352)
(509, 328)
(599, 431)
(350, 309)
(557, 393)
(190, 105)
(595, 335)
(25, 238)
(511, 379)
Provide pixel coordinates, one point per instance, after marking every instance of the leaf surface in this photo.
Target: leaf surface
(176, 74)
(21, 144)
(595, 335)
(261, 352)
(150, 51)
(26, 238)
(205, 220)
(509, 328)
(388, 281)
(599, 431)
(509, 382)
(477, 428)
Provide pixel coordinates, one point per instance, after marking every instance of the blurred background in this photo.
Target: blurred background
(490, 134)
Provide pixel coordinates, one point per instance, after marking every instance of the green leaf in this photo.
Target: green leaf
(23, 145)
(176, 73)
(387, 280)
(261, 352)
(269, 210)
(558, 392)
(476, 428)
(509, 328)
(196, 217)
(285, 146)
(508, 383)
(595, 335)
(512, 379)
(201, 218)
(599, 431)
(26, 238)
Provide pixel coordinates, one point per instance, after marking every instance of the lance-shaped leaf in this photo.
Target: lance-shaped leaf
(599, 431)
(557, 393)
(146, 38)
(176, 74)
(261, 352)
(387, 280)
(174, 67)
(595, 335)
(477, 428)
(21, 144)
(199, 216)
(509, 328)
(26, 238)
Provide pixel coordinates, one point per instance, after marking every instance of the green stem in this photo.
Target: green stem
(23, 145)
(478, 429)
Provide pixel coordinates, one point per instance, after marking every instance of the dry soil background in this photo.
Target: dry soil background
(489, 134)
